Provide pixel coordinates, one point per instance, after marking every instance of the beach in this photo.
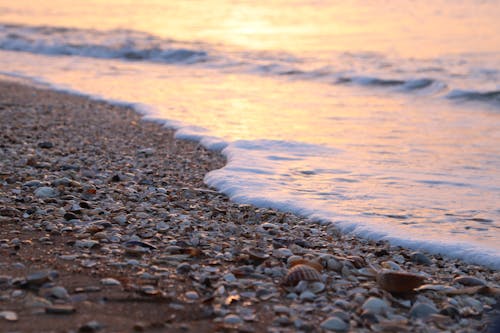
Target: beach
(107, 226)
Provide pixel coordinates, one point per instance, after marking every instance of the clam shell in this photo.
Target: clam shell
(399, 282)
(301, 272)
(311, 263)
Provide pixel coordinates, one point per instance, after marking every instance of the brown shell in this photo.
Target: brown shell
(301, 272)
(314, 264)
(399, 282)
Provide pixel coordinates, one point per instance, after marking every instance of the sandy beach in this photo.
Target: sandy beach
(106, 226)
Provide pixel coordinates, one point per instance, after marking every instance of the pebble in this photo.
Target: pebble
(183, 268)
(87, 243)
(375, 305)
(60, 309)
(146, 152)
(230, 277)
(9, 315)
(59, 292)
(469, 281)
(420, 258)
(41, 277)
(90, 327)
(192, 295)
(45, 145)
(110, 282)
(37, 302)
(422, 310)
(334, 324)
(284, 252)
(232, 319)
(307, 296)
(316, 287)
(46, 192)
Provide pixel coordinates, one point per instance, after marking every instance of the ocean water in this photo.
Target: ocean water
(380, 117)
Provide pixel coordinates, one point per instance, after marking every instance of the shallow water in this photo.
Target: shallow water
(385, 124)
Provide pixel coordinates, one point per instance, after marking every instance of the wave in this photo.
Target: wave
(404, 85)
(115, 44)
(492, 96)
(131, 45)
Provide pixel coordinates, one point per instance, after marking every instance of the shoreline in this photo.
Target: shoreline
(119, 209)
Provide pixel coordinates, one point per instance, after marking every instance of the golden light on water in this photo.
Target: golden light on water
(407, 28)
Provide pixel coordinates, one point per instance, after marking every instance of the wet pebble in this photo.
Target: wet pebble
(232, 319)
(192, 295)
(422, 310)
(59, 292)
(334, 324)
(60, 309)
(469, 281)
(45, 145)
(90, 327)
(375, 305)
(46, 192)
(110, 282)
(420, 258)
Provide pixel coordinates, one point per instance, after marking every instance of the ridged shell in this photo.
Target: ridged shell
(399, 282)
(301, 272)
(314, 264)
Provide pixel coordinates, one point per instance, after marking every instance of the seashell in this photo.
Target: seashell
(301, 272)
(311, 263)
(399, 282)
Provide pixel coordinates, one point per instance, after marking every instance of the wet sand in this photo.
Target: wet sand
(106, 226)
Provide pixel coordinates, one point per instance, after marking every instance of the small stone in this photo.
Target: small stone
(86, 243)
(399, 258)
(307, 296)
(70, 216)
(183, 268)
(334, 324)
(230, 277)
(90, 327)
(375, 305)
(116, 178)
(146, 152)
(60, 309)
(473, 303)
(110, 282)
(334, 265)
(422, 310)
(283, 252)
(469, 281)
(37, 302)
(192, 295)
(41, 277)
(59, 292)
(232, 319)
(281, 309)
(391, 265)
(45, 145)
(46, 192)
(9, 315)
(316, 287)
(33, 183)
(420, 258)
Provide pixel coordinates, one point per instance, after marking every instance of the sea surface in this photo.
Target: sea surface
(382, 117)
